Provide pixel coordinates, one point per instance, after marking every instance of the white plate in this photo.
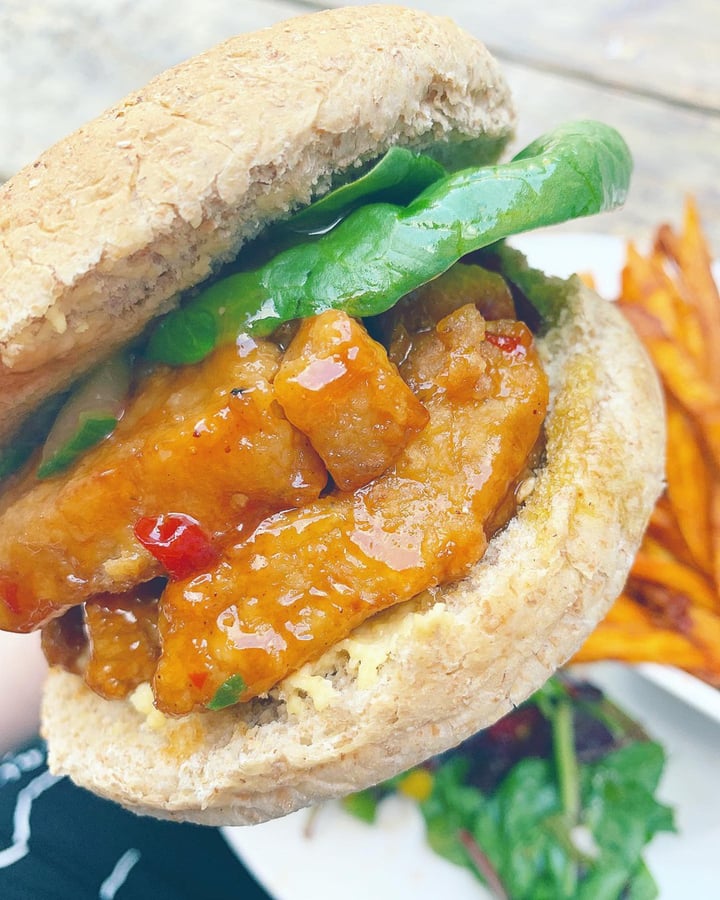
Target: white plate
(601, 255)
(342, 857)
(390, 860)
(690, 690)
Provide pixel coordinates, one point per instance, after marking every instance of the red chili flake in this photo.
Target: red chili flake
(198, 679)
(178, 542)
(506, 342)
(9, 595)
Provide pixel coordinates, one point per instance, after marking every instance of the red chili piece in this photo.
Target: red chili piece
(506, 342)
(198, 679)
(178, 542)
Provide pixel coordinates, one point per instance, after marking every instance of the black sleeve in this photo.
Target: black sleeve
(59, 842)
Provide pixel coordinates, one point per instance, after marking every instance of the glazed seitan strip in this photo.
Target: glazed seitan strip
(209, 441)
(338, 387)
(307, 577)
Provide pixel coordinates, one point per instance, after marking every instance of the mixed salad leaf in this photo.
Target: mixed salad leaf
(555, 801)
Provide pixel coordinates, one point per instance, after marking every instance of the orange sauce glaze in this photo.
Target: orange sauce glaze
(112, 640)
(209, 441)
(123, 641)
(340, 389)
(306, 577)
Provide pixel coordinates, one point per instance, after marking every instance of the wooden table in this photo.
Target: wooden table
(652, 70)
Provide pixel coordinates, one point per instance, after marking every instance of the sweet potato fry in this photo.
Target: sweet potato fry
(681, 376)
(669, 611)
(665, 531)
(706, 632)
(645, 282)
(715, 538)
(629, 634)
(646, 325)
(690, 253)
(684, 381)
(677, 577)
(689, 485)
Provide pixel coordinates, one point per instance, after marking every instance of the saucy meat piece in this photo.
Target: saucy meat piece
(209, 441)
(337, 385)
(64, 641)
(123, 640)
(308, 576)
(423, 308)
(111, 641)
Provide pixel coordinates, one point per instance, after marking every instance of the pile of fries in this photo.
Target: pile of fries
(669, 611)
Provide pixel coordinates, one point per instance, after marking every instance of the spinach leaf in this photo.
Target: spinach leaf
(398, 177)
(382, 251)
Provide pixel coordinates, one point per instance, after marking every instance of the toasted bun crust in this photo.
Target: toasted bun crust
(103, 231)
(425, 675)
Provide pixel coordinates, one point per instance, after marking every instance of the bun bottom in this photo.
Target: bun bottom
(424, 676)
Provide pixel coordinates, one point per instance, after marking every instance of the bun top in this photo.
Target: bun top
(109, 225)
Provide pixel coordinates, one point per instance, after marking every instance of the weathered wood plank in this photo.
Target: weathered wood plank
(675, 150)
(63, 61)
(663, 48)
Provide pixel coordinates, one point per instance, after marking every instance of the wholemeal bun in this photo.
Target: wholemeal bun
(100, 236)
(425, 675)
(109, 225)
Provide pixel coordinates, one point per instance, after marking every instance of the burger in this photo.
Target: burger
(307, 476)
